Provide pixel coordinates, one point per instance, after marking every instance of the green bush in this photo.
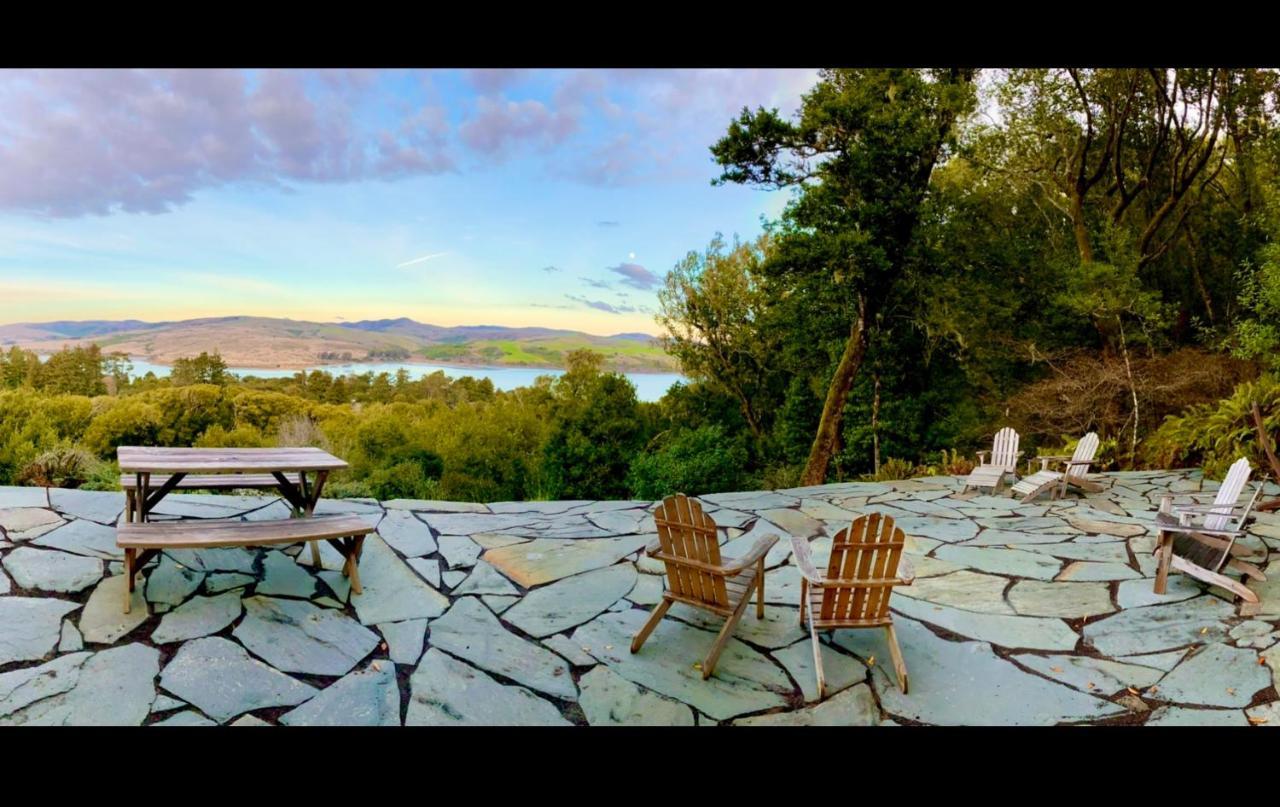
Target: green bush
(693, 461)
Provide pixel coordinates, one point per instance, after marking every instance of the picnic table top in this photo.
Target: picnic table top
(151, 459)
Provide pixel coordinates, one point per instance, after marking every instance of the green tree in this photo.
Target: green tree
(860, 157)
(202, 369)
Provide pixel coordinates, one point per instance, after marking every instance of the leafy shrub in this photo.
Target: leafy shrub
(954, 464)
(893, 469)
(1214, 435)
(63, 467)
(693, 461)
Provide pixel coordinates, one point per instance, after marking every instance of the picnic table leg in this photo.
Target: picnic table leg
(307, 511)
(142, 487)
(129, 570)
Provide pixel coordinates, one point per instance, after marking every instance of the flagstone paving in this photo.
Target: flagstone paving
(522, 613)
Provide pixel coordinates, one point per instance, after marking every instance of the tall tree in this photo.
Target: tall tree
(859, 155)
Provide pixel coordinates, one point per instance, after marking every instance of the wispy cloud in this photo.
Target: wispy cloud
(423, 259)
(635, 275)
(608, 224)
(595, 284)
(601, 305)
(551, 269)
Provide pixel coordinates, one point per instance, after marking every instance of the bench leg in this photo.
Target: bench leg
(352, 566)
(129, 571)
(315, 555)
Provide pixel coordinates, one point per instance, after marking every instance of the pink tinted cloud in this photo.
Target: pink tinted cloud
(78, 142)
(635, 275)
(500, 126)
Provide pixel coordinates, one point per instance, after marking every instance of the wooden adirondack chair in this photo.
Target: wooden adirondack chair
(1073, 472)
(1204, 550)
(866, 563)
(688, 545)
(1004, 455)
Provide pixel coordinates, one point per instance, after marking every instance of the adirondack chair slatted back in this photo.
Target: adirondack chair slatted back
(868, 549)
(684, 531)
(1085, 451)
(1004, 451)
(1228, 494)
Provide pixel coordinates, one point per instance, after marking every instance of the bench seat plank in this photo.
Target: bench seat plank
(216, 533)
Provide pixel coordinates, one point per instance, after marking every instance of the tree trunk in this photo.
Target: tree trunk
(875, 425)
(1080, 229)
(1133, 391)
(824, 443)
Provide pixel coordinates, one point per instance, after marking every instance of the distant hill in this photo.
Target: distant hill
(266, 342)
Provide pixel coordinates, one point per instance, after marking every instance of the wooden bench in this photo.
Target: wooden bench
(143, 540)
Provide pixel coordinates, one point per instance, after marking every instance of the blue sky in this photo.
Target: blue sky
(513, 197)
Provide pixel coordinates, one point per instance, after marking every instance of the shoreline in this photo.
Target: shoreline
(411, 362)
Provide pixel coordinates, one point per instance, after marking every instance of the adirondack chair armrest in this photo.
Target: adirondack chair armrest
(982, 456)
(1189, 529)
(761, 548)
(906, 572)
(1210, 509)
(1049, 459)
(804, 561)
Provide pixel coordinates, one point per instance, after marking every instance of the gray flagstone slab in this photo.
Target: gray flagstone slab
(429, 568)
(839, 670)
(218, 677)
(1096, 676)
(852, 707)
(471, 632)
(964, 589)
(1216, 675)
(571, 601)
(25, 523)
(947, 530)
(83, 538)
(406, 534)
(170, 583)
(51, 570)
(459, 551)
(225, 559)
(392, 592)
(448, 692)
(779, 628)
(115, 687)
(751, 500)
(608, 699)
(1159, 661)
(20, 688)
(1086, 571)
(100, 506)
(297, 636)
(198, 617)
(102, 620)
(404, 639)
(188, 718)
(15, 496)
(744, 680)
(1065, 600)
(484, 579)
(282, 576)
(1033, 633)
(434, 506)
(1160, 627)
(1109, 552)
(1012, 562)
(563, 646)
(965, 683)
(368, 697)
(547, 559)
(1007, 537)
(70, 639)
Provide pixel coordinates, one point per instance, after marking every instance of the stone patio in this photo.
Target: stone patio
(521, 613)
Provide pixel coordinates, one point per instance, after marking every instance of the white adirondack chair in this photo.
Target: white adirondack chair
(1004, 455)
(1072, 474)
(1205, 550)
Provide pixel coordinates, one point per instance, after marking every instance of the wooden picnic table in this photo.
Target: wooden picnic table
(282, 469)
(150, 474)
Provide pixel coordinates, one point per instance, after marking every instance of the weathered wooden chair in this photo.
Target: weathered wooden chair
(1204, 550)
(688, 545)
(1073, 473)
(866, 563)
(1004, 455)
